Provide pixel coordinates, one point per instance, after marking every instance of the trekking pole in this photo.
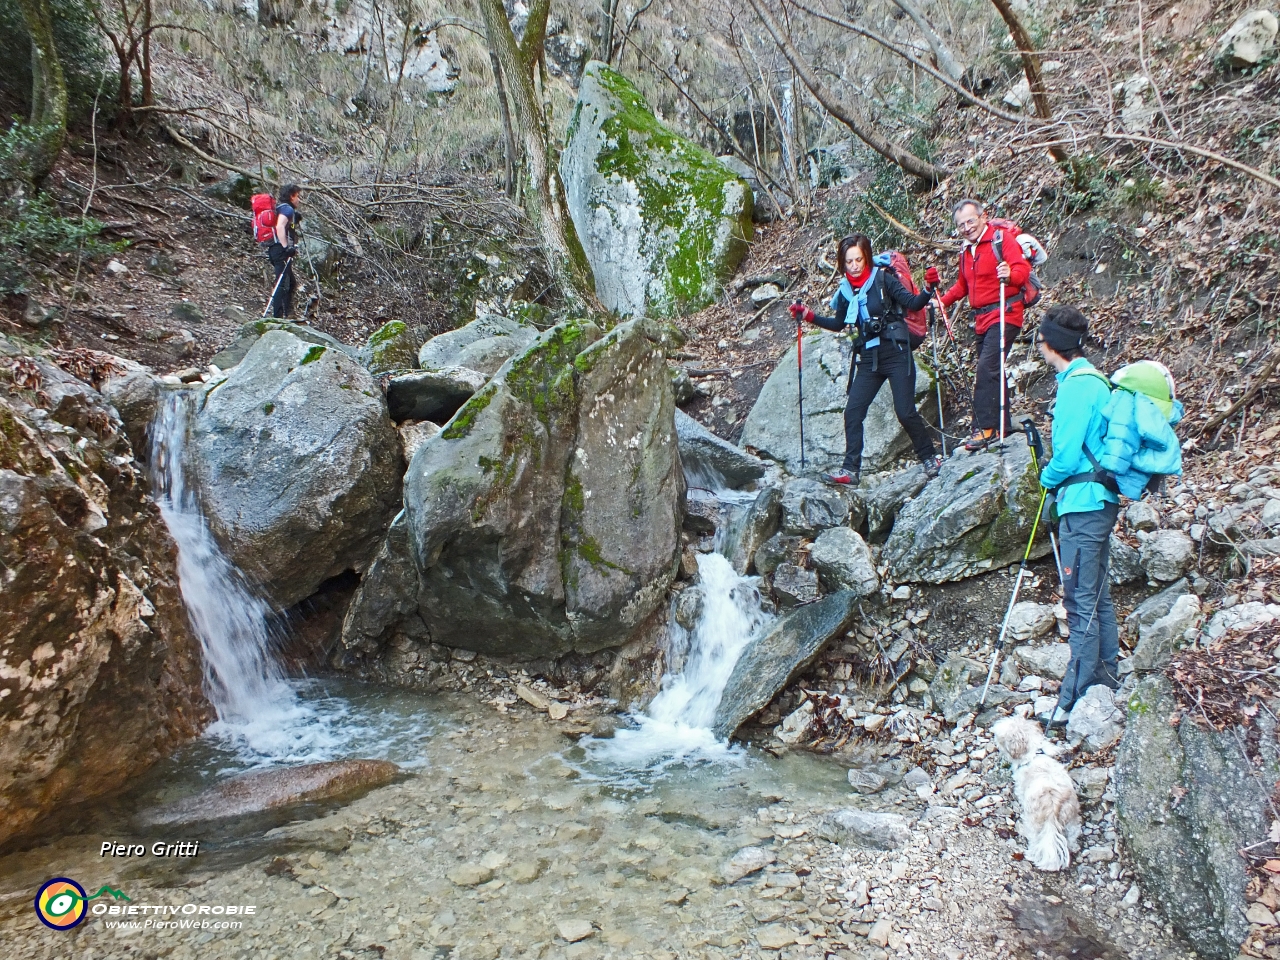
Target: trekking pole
(946, 317)
(800, 379)
(1003, 383)
(1036, 443)
(1017, 585)
(267, 308)
(937, 376)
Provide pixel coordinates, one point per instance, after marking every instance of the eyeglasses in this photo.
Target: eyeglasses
(966, 224)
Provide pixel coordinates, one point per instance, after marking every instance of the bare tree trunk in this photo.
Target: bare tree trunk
(48, 93)
(608, 14)
(943, 58)
(544, 198)
(509, 134)
(1031, 67)
(849, 115)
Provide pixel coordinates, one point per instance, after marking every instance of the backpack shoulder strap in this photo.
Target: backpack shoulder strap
(1091, 372)
(997, 245)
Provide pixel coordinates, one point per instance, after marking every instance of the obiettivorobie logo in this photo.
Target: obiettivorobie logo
(62, 903)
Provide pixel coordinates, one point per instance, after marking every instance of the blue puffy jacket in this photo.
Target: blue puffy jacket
(1140, 442)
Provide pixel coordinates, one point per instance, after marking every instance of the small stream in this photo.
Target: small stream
(505, 837)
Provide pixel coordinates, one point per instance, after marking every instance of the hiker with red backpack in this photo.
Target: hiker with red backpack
(998, 280)
(878, 300)
(274, 224)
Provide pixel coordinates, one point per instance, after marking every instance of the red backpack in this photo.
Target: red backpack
(264, 217)
(1033, 252)
(916, 320)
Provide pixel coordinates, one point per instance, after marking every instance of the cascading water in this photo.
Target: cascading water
(259, 712)
(676, 726)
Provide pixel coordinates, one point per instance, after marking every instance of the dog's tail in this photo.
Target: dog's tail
(1049, 849)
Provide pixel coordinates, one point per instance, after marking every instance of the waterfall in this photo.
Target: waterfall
(258, 709)
(676, 726)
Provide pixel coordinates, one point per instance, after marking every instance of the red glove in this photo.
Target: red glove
(800, 312)
(932, 279)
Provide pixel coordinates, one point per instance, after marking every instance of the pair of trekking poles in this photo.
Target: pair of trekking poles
(271, 299)
(937, 378)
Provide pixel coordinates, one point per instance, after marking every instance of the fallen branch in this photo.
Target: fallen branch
(1198, 151)
(908, 232)
(1258, 383)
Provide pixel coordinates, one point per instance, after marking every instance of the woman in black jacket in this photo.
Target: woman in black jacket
(882, 351)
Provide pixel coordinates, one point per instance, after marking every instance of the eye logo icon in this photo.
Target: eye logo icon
(61, 903)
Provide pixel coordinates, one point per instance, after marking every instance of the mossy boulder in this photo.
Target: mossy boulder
(975, 517)
(392, 347)
(297, 464)
(662, 221)
(1189, 799)
(545, 517)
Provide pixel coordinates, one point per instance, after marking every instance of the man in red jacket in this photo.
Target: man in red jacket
(981, 274)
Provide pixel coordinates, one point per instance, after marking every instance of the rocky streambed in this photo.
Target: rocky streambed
(514, 836)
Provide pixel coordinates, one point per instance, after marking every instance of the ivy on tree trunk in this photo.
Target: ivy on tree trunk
(48, 93)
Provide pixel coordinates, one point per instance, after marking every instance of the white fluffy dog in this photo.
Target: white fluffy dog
(1050, 811)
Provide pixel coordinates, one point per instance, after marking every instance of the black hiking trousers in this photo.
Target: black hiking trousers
(282, 301)
(894, 363)
(986, 381)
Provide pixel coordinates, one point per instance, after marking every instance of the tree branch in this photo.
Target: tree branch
(1031, 67)
(850, 116)
(942, 54)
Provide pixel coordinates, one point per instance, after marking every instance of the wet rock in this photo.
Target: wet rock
(662, 223)
(1095, 719)
(745, 862)
(977, 516)
(769, 663)
(1166, 555)
(1029, 620)
(760, 523)
(1157, 641)
(772, 427)
(702, 513)
(275, 789)
(1126, 563)
(844, 562)
(497, 336)
(432, 394)
(391, 347)
(809, 507)
(879, 831)
(885, 497)
(705, 454)
(778, 549)
(794, 585)
(1049, 660)
(135, 393)
(1188, 801)
(1249, 39)
(297, 464)
(100, 675)
(523, 540)
(866, 781)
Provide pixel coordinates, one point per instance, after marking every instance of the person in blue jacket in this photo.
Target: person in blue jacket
(1087, 504)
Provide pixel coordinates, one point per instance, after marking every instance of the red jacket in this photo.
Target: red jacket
(978, 281)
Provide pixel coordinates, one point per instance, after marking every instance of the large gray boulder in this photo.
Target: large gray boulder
(884, 497)
(662, 222)
(709, 458)
(297, 464)
(100, 674)
(977, 516)
(757, 525)
(1188, 801)
(773, 425)
(483, 345)
(391, 347)
(252, 330)
(545, 517)
(776, 658)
